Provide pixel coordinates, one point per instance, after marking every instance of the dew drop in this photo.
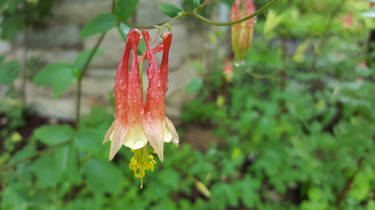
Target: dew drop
(122, 84)
(238, 63)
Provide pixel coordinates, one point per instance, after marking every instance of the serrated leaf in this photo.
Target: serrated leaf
(99, 24)
(170, 10)
(54, 134)
(59, 75)
(125, 8)
(103, 176)
(82, 58)
(9, 71)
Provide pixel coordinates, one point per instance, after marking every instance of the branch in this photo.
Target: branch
(201, 6)
(195, 14)
(348, 183)
(79, 83)
(258, 12)
(48, 149)
(85, 67)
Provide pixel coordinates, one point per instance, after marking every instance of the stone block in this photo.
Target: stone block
(80, 11)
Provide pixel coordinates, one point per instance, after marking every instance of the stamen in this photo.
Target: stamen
(141, 162)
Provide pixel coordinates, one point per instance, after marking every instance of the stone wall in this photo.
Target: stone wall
(58, 41)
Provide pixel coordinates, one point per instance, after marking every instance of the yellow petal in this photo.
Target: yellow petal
(136, 138)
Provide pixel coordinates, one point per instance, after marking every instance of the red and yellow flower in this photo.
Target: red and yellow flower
(138, 123)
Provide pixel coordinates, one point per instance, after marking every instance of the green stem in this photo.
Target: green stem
(79, 83)
(48, 149)
(258, 12)
(195, 14)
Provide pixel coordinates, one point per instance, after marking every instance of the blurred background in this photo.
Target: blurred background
(289, 127)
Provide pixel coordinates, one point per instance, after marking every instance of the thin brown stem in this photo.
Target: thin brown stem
(84, 70)
(48, 149)
(348, 183)
(195, 14)
(210, 22)
(201, 6)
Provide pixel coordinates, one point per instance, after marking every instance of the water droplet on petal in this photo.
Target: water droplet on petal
(122, 84)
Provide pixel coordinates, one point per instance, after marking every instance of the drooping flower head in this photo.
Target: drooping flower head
(159, 128)
(137, 123)
(242, 33)
(127, 116)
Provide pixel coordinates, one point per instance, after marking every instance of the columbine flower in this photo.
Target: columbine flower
(159, 129)
(242, 33)
(127, 128)
(137, 123)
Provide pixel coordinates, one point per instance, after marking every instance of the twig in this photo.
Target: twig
(201, 6)
(85, 67)
(348, 183)
(79, 83)
(48, 149)
(258, 12)
(195, 14)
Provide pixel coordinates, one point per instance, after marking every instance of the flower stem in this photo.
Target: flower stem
(258, 12)
(48, 149)
(79, 83)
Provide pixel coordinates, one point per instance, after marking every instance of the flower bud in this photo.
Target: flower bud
(242, 33)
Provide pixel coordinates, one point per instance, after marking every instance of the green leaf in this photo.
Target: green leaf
(99, 24)
(9, 72)
(194, 86)
(12, 200)
(47, 170)
(224, 194)
(103, 176)
(59, 75)
(87, 140)
(23, 153)
(11, 26)
(125, 8)
(196, 3)
(54, 134)
(82, 58)
(248, 191)
(170, 10)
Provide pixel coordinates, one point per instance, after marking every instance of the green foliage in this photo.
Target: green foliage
(9, 71)
(170, 10)
(194, 86)
(125, 9)
(82, 58)
(99, 24)
(59, 75)
(54, 134)
(289, 137)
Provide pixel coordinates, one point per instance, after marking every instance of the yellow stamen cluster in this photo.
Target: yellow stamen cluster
(140, 162)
